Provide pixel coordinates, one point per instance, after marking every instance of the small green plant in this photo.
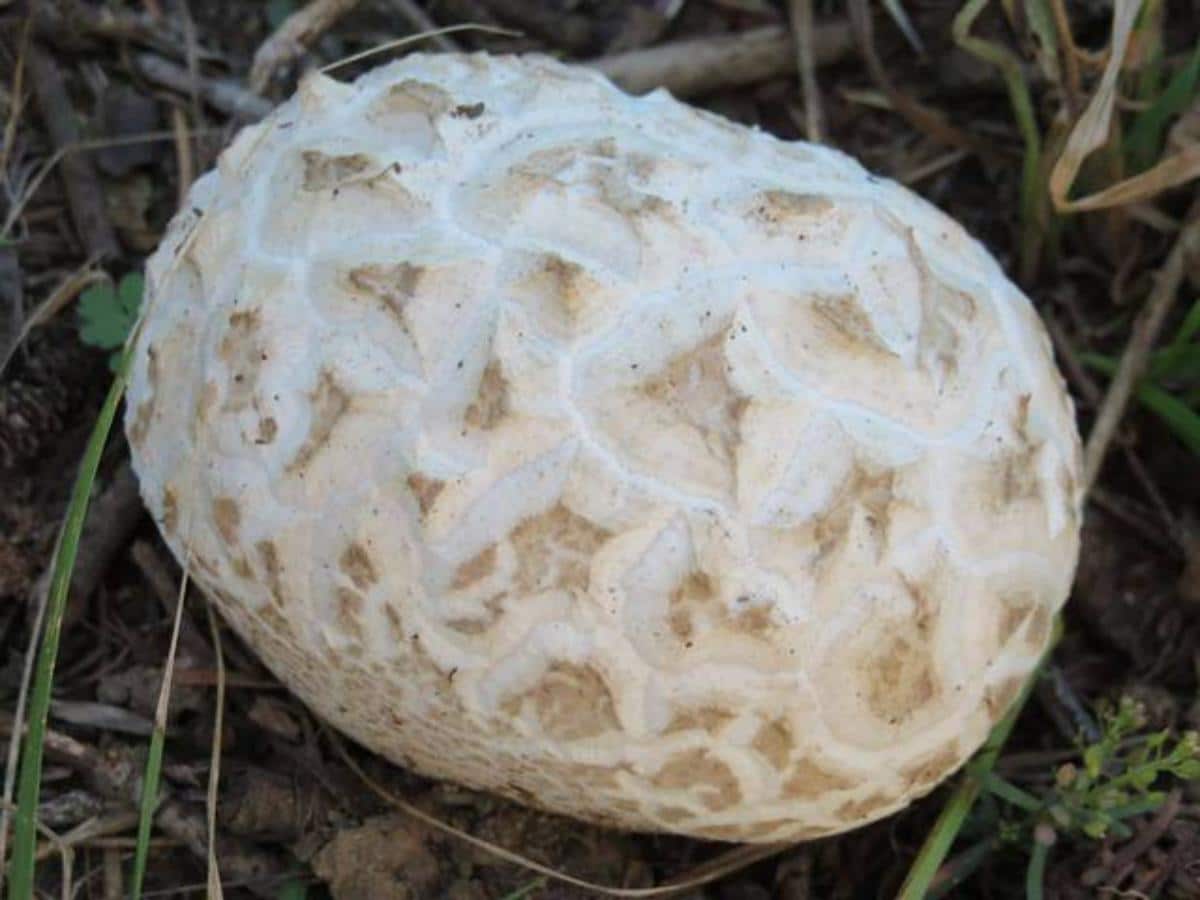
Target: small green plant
(1119, 776)
(107, 314)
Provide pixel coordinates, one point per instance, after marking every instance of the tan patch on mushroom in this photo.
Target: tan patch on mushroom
(490, 406)
(145, 411)
(808, 781)
(570, 701)
(480, 624)
(674, 815)
(855, 333)
(268, 555)
(350, 605)
(170, 507)
(241, 567)
(554, 550)
(695, 607)
(479, 566)
(329, 403)
(695, 389)
(1015, 609)
(412, 96)
(424, 490)
(356, 563)
(323, 171)
(783, 208)
(774, 742)
(933, 768)
(899, 677)
(563, 290)
(999, 697)
(227, 516)
(703, 718)
(871, 491)
(695, 596)
(865, 808)
(276, 620)
(1037, 633)
(395, 623)
(206, 405)
(241, 349)
(1015, 477)
(392, 285)
(267, 429)
(698, 771)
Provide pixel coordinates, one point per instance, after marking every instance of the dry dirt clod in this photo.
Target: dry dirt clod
(386, 857)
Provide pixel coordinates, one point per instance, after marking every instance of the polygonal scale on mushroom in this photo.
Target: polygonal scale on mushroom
(604, 454)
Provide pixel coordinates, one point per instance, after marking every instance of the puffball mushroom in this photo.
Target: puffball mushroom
(600, 453)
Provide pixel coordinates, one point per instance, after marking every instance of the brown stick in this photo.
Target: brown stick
(697, 66)
(225, 95)
(110, 523)
(74, 25)
(289, 40)
(117, 777)
(1133, 361)
(84, 195)
(802, 28)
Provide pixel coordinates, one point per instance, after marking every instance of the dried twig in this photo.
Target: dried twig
(110, 523)
(802, 28)
(289, 40)
(226, 95)
(116, 776)
(921, 117)
(420, 21)
(73, 25)
(84, 194)
(1141, 341)
(699, 65)
(184, 159)
(66, 291)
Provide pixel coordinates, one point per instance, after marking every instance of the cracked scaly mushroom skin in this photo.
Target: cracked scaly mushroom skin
(603, 454)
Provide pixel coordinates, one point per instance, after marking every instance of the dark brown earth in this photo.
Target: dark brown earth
(293, 816)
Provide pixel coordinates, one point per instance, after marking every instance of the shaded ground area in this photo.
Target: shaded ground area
(170, 83)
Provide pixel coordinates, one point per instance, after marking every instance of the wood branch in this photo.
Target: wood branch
(74, 25)
(1146, 329)
(110, 523)
(117, 776)
(298, 32)
(85, 197)
(696, 66)
(226, 95)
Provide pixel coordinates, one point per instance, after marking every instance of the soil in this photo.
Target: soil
(294, 819)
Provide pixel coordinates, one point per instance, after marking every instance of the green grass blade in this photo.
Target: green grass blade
(1146, 134)
(1035, 875)
(158, 739)
(962, 867)
(895, 9)
(25, 821)
(526, 890)
(1176, 413)
(1178, 416)
(1033, 195)
(1165, 361)
(954, 814)
(1010, 793)
(150, 783)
